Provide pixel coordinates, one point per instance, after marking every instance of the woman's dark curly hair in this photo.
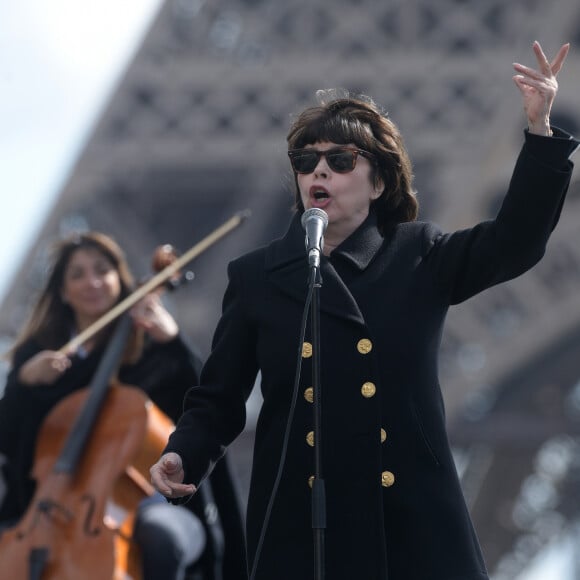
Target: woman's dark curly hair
(357, 119)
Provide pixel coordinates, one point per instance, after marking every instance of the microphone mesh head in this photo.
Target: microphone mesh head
(314, 212)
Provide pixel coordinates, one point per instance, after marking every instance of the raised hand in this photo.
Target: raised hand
(539, 88)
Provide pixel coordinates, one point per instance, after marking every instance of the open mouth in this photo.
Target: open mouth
(320, 194)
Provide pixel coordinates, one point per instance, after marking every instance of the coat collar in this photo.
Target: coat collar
(287, 266)
(358, 249)
(361, 247)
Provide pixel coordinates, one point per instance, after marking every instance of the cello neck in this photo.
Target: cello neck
(81, 431)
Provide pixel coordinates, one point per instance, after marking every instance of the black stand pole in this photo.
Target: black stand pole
(318, 489)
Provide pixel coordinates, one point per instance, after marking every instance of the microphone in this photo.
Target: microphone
(314, 221)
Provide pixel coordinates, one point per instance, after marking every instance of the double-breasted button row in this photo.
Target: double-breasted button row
(364, 346)
(368, 388)
(310, 437)
(309, 396)
(387, 479)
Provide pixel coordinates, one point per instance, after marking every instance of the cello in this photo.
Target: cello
(91, 476)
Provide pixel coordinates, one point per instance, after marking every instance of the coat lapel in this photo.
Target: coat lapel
(287, 268)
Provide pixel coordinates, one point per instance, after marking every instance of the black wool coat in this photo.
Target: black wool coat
(395, 508)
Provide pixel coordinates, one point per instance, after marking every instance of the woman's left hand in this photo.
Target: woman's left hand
(539, 88)
(150, 314)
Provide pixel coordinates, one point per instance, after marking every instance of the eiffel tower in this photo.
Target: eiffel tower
(195, 132)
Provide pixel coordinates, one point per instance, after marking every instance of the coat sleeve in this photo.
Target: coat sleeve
(215, 410)
(22, 354)
(469, 261)
(16, 400)
(165, 372)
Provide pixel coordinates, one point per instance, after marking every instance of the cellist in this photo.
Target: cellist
(89, 275)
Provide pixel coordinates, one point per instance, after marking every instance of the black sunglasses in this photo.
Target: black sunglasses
(339, 159)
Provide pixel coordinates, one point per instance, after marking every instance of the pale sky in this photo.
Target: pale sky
(59, 62)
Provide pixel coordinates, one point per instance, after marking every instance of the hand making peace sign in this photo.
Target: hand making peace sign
(539, 88)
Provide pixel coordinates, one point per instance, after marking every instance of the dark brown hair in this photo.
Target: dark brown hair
(357, 119)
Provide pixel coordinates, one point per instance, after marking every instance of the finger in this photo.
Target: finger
(182, 489)
(543, 62)
(142, 308)
(71, 351)
(526, 70)
(522, 88)
(171, 464)
(169, 488)
(151, 300)
(161, 486)
(560, 58)
(60, 363)
(154, 298)
(159, 481)
(540, 85)
(142, 315)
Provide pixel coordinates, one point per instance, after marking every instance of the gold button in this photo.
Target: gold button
(309, 394)
(387, 479)
(364, 346)
(306, 350)
(368, 390)
(383, 435)
(310, 438)
(311, 480)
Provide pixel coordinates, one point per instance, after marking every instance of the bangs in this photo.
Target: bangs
(332, 128)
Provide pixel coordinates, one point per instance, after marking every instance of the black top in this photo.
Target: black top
(165, 371)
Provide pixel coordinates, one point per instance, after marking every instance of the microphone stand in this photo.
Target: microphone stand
(318, 487)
